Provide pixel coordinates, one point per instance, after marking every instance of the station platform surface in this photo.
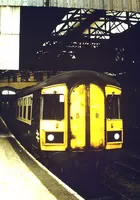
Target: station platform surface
(22, 177)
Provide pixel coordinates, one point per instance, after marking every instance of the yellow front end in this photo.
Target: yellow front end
(92, 122)
(87, 118)
(114, 123)
(78, 117)
(53, 123)
(97, 117)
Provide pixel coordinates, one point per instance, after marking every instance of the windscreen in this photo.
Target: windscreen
(53, 106)
(113, 107)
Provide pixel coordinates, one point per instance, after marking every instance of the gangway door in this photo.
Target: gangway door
(78, 117)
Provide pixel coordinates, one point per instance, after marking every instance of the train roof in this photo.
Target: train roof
(71, 78)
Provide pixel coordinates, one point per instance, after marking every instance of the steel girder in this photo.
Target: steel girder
(86, 29)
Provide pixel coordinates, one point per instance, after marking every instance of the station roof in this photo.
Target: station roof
(117, 5)
(110, 22)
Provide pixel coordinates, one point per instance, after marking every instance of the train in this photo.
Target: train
(71, 114)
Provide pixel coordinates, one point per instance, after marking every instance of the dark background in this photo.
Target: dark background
(36, 27)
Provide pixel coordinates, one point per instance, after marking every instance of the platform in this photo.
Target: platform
(23, 177)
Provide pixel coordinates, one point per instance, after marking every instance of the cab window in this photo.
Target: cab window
(113, 107)
(53, 106)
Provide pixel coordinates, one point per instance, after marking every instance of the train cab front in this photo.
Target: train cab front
(53, 120)
(114, 122)
(84, 119)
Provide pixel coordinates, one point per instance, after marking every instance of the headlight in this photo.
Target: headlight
(50, 137)
(114, 136)
(54, 137)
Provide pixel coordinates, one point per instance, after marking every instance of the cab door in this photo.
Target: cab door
(78, 117)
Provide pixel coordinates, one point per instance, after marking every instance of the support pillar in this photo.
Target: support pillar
(9, 37)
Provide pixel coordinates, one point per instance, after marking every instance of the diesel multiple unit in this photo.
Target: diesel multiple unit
(73, 112)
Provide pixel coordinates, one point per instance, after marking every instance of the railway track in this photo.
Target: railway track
(129, 167)
(112, 197)
(120, 195)
(126, 180)
(87, 185)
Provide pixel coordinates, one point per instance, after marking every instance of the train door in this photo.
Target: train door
(87, 117)
(97, 117)
(53, 123)
(78, 117)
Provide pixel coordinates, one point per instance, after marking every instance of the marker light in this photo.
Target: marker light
(116, 136)
(50, 137)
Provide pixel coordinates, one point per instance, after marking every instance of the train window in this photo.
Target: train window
(25, 101)
(53, 107)
(24, 108)
(29, 101)
(20, 111)
(29, 112)
(24, 112)
(113, 107)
